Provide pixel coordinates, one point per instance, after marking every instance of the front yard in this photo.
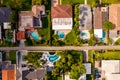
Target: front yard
(107, 55)
(12, 57)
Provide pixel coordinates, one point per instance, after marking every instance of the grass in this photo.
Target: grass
(44, 32)
(107, 55)
(70, 37)
(117, 42)
(12, 57)
(111, 1)
(91, 60)
(76, 1)
(90, 2)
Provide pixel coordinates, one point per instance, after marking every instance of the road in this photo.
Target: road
(52, 48)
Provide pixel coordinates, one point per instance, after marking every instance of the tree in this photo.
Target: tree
(36, 2)
(77, 70)
(107, 26)
(34, 59)
(68, 59)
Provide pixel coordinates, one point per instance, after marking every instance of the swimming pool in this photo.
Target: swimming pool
(83, 34)
(53, 58)
(50, 58)
(60, 34)
(103, 36)
(35, 36)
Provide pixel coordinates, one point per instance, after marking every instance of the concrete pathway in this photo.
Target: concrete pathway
(85, 56)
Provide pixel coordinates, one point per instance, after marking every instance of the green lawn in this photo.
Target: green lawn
(117, 42)
(111, 1)
(70, 37)
(90, 2)
(12, 57)
(76, 1)
(107, 55)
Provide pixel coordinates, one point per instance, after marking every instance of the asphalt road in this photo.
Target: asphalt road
(52, 48)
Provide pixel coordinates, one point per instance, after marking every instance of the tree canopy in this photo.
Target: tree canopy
(68, 59)
(33, 58)
(108, 25)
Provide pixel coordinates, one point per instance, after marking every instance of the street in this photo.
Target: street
(52, 48)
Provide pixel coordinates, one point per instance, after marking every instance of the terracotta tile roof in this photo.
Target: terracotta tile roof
(20, 35)
(61, 11)
(114, 15)
(8, 75)
(99, 17)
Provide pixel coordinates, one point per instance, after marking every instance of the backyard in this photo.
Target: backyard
(43, 32)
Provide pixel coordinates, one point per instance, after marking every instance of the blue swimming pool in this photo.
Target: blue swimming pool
(53, 58)
(35, 36)
(83, 34)
(103, 36)
(60, 34)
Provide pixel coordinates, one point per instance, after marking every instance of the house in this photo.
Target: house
(4, 15)
(8, 71)
(111, 69)
(114, 17)
(100, 16)
(4, 18)
(85, 17)
(31, 18)
(38, 74)
(61, 16)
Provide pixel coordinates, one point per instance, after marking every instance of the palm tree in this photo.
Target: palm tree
(107, 26)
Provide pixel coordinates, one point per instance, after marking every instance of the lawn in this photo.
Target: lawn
(90, 2)
(111, 1)
(70, 37)
(12, 57)
(117, 42)
(76, 1)
(107, 55)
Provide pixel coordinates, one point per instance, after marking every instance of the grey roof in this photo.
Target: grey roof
(4, 14)
(38, 74)
(6, 65)
(85, 17)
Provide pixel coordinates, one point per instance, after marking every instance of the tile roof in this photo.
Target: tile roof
(20, 35)
(38, 74)
(8, 75)
(61, 11)
(26, 18)
(4, 14)
(8, 71)
(99, 17)
(114, 15)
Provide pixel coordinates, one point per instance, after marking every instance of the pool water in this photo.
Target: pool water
(53, 58)
(103, 36)
(83, 34)
(60, 34)
(35, 36)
